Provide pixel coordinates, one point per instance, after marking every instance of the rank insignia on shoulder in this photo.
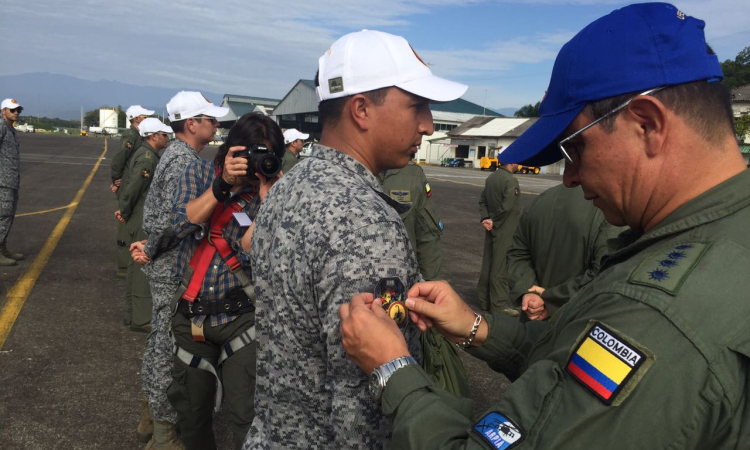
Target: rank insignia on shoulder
(392, 295)
(428, 189)
(145, 173)
(499, 431)
(668, 268)
(608, 363)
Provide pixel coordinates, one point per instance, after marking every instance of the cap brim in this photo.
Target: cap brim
(216, 111)
(537, 146)
(434, 88)
(304, 136)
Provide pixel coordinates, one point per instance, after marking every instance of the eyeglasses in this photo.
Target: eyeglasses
(164, 135)
(211, 119)
(16, 110)
(571, 155)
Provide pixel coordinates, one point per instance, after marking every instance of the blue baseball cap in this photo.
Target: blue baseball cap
(634, 48)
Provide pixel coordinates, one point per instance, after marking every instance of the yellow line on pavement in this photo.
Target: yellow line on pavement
(472, 184)
(45, 211)
(20, 291)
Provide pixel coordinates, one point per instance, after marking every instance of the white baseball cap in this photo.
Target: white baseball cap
(187, 104)
(137, 110)
(367, 60)
(153, 125)
(292, 135)
(10, 103)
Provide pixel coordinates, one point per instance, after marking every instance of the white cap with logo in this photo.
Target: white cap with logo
(367, 60)
(187, 104)
(137, 110)
(292, 135)
(10, 104)
(153, 125)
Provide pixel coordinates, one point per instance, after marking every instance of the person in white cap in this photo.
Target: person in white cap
(327, 230)
(294, 140)
(129, 143)
(193, 120)
(10, 177)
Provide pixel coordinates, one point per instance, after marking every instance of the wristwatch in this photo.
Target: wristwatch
(379, 377)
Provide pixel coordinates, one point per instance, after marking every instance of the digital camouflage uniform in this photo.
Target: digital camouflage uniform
(653, 353)
(501, 202)
(161, 248)
(140, 169)
(559, 244)
(325, 232)
(129, 143)
(288, 161)
(424, 228)
(10, 177)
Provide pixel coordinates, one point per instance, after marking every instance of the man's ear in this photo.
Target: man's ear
(649, 120)
(359, 108)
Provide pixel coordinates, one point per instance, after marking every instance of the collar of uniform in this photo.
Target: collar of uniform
(179, 143)
(714, 204)
(358, 170)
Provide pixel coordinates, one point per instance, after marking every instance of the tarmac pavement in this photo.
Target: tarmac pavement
(69, 369)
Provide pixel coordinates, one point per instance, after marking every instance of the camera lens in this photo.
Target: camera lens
(269, 165)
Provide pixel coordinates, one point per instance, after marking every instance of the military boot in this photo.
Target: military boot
(145, 428)
(6, 253)
(7, 261)
(165, 437)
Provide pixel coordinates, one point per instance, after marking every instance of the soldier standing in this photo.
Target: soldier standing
(193, 120)
(140, 169)
(326, 231)
(655, 351)
(558, 247)
(10, 177)
(129, 143)
(499, 211)
(294, 141)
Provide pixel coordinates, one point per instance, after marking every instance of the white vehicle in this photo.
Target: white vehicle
(307, 149)
(25, 128)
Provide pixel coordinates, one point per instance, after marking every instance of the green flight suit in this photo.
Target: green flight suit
(675, 302)
(140, 167)
(424, 228)
(288, 161)
(423, 225)
(129, 143)
(559, 244)
(501, 202)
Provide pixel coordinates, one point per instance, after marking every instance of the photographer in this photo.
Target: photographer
(213, 317)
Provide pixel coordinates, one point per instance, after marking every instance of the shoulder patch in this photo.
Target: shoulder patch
(608, 363)
(400, 195)
(428, 189)
(145, 173)
(517, 191)
(667, 270)
(499, 431)
(128, 144)
(440, 224)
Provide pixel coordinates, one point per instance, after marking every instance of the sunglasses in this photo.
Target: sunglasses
(211, 119)
(14, 110)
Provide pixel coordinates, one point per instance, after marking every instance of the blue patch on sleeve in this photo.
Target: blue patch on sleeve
(499, 431)
(440, 224)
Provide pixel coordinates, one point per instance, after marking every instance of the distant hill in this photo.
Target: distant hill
(61, 96)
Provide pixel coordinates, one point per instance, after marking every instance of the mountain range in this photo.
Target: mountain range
(59, 96)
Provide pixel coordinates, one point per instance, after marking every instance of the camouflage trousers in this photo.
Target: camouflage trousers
(8, 205)
(157, 358)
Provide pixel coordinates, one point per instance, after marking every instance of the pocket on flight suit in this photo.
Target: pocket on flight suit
(532, 400)
(177, 392)
(429, 222)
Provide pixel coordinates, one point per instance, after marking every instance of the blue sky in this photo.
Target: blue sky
(503, 49)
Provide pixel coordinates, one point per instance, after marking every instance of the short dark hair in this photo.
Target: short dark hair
(329, 111)
(252, 128)
(178, 126)
(705, 106)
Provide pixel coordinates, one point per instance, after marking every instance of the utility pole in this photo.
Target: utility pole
(484, 108)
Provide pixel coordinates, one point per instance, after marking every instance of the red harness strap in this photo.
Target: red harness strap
(214, 241)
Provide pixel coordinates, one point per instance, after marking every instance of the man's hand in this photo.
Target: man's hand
(370, 337)
(138, 254)
(119, 217)
(435, 303)
(114, 187)
(234, 167)
(487, 224)
(266, 185)
(533, 305)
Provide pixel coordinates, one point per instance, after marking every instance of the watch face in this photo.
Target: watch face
(375, 388)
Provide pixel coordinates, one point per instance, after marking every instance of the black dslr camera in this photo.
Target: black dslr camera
(260, 160)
